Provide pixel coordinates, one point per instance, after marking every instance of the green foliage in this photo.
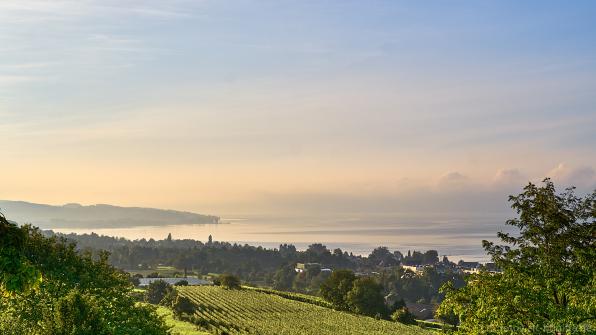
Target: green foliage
(17, 274)
(157, 291)
(284, 277)
(179, 326)
(309, 299)
(366, 298)
(79, 294)
(181, 283)
(229, 281)
(404, 316)
(363, 295)
(335, 289)
(77, 313)
(548, 284)
(135, 279)
(183, 305)
(252, 312)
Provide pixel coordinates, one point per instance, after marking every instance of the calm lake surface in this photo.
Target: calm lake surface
(457, 236)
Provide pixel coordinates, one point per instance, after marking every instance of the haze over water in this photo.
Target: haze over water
(458, 237)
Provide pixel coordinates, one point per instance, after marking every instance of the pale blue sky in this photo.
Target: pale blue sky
(237, 105)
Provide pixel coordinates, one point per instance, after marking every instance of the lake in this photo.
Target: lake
(457, 236)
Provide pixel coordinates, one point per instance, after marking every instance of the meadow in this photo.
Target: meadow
(178, 327)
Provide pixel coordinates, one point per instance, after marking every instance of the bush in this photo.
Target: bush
(229, 281)
(138, 295)
(135, 280)
(157, 290)
(366, 298)
(183, 305)
(48, 287)
(76, 313)
(335, 288)
(181, 283)
(169, 299)
(200, 321)
(403, 315)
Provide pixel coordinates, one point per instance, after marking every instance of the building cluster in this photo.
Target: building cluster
(313, 267)
(461, 267)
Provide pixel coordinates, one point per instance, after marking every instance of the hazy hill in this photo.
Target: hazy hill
(96, 216)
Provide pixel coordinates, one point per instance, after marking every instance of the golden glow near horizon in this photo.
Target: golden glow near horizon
(354, 108)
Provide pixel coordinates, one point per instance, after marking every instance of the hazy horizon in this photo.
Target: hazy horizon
(306, 108)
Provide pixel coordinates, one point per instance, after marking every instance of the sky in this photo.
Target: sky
(295, 106)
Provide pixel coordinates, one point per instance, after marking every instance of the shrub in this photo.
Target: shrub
(76, 313)
(157, 290)
(181, 283)
(135, 280)
(183, 305)
(229, 281)
(366, 298)
(403, 315)
(47, 287)
(335, 288)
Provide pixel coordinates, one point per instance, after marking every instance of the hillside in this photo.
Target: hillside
(252, 312)
(178, 327)
(97, 216)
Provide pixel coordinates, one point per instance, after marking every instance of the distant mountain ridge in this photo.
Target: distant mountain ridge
(74, 215)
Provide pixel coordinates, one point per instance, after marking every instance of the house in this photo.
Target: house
(302, 267)
(422, 311)
(414, 268)
(492, 268)
(468, 267)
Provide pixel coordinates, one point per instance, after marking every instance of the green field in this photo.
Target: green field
(252, 312)
(178, 327)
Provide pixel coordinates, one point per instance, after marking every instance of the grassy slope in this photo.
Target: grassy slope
(178, 327)
(243, 311)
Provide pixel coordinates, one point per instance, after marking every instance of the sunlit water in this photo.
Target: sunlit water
(459, 237)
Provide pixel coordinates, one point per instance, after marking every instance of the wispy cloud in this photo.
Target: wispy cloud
(36, 11)
(17, 79)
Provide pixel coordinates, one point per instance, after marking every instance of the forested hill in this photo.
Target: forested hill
(97, 216)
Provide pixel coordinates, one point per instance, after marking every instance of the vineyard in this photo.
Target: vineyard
(222, 311)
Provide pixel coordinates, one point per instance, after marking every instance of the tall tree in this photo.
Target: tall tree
(336, 288)
(548, 282)
(48, 287)
(366, 298)
(17, 274)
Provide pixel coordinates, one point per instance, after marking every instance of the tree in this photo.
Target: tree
(181, 282)
(135, 279)
(381, 256)
(229, 281)
(80, 293)
(17, 274)
(284, 277)
(403, 315)
(183, 305)
(548, 283)
(317, 253)
(430, 257)
(336, 288)
(157, 290)
(366, 298)
(76, 313)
